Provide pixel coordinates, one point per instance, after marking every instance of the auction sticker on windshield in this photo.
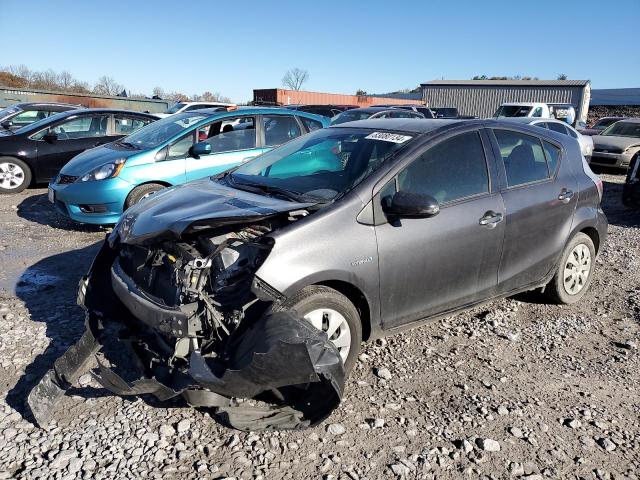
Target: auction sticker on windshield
(388, 137)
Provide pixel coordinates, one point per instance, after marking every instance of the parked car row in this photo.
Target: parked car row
(98, 185)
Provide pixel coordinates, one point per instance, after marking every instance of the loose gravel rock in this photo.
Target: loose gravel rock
(556, 388)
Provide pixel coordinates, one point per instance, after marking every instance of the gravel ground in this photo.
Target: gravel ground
(514, 389)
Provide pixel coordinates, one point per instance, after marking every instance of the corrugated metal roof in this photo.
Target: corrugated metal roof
(511, 83)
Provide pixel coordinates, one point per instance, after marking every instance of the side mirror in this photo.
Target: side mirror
(410, 205)
(50, 137)
(200, 148)
(7, 124)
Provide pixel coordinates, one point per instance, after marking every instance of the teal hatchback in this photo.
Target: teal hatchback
(98, 185)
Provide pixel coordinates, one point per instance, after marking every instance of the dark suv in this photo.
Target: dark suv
(263, 281)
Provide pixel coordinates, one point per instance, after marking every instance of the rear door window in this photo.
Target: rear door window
(310, 124)
(279, 129)
(126, 125)
(523, 157)
(438, 171)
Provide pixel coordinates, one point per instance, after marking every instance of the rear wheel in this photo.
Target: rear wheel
(141, 192)
(574, 272)
(15, 175)
(330, 311)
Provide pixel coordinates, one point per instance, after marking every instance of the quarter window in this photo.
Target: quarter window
(553, 155)
(453, 169)
(558, 127)
(523, 157)
(279, 129)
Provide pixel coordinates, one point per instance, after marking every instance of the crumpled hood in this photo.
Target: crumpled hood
(611, 142)
(90, 159)
(196, 205)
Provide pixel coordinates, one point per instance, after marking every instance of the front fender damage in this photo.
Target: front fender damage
(256, 368)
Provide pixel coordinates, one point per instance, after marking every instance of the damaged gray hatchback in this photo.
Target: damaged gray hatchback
(250, 292)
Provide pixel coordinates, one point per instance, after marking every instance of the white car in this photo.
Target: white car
(585, 141)
(179, 107)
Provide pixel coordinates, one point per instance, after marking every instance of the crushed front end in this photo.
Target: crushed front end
(188, 317)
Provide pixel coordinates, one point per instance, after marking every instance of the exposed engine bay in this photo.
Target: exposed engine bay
(190, 318)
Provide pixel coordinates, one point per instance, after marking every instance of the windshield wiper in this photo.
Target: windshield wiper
(261, 187)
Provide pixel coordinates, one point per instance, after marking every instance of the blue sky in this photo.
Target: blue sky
(235, 46)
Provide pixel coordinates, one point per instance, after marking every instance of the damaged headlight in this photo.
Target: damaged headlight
(108, 170)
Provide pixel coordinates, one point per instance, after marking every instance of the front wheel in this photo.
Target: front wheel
(15, 175)
(140, 193)
(330, 311)
(574, 272)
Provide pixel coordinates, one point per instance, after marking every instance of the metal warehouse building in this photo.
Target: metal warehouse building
(482, 97)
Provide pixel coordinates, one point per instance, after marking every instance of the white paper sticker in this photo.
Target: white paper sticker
(388, 137)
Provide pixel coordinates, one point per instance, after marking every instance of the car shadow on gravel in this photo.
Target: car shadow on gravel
(48, 289)
(616, 212)
(38, 209)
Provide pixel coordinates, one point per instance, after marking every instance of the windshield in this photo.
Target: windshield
(605, 122)
(350, 116)
(322, 164)
(40, 123)
(623, 129)
(512, 111)
(159, 132)
(175, 107)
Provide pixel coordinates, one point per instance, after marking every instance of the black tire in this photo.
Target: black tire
(317, 297)
(26, 176)
(140, 192)
(555, 290)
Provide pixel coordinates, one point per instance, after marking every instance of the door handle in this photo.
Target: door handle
(490, 218)
(565, 195)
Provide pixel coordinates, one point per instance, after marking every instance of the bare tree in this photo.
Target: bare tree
(65, 80)
(158, 92)
(214, 97)
(295, 78)
(46, 80)
(177, 97)
(107, 86)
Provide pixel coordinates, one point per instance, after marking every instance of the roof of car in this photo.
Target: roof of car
(48, 104)
(532, 120)
(630, 120)
(87, 111)
(373, 109)
(412, 125)
(255, 110)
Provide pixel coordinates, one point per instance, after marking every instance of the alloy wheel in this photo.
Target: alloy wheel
(11, 175)
(335, 326)
(577, 269)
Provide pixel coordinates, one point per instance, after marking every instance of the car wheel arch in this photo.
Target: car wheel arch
(366, 308)
(157, 182)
